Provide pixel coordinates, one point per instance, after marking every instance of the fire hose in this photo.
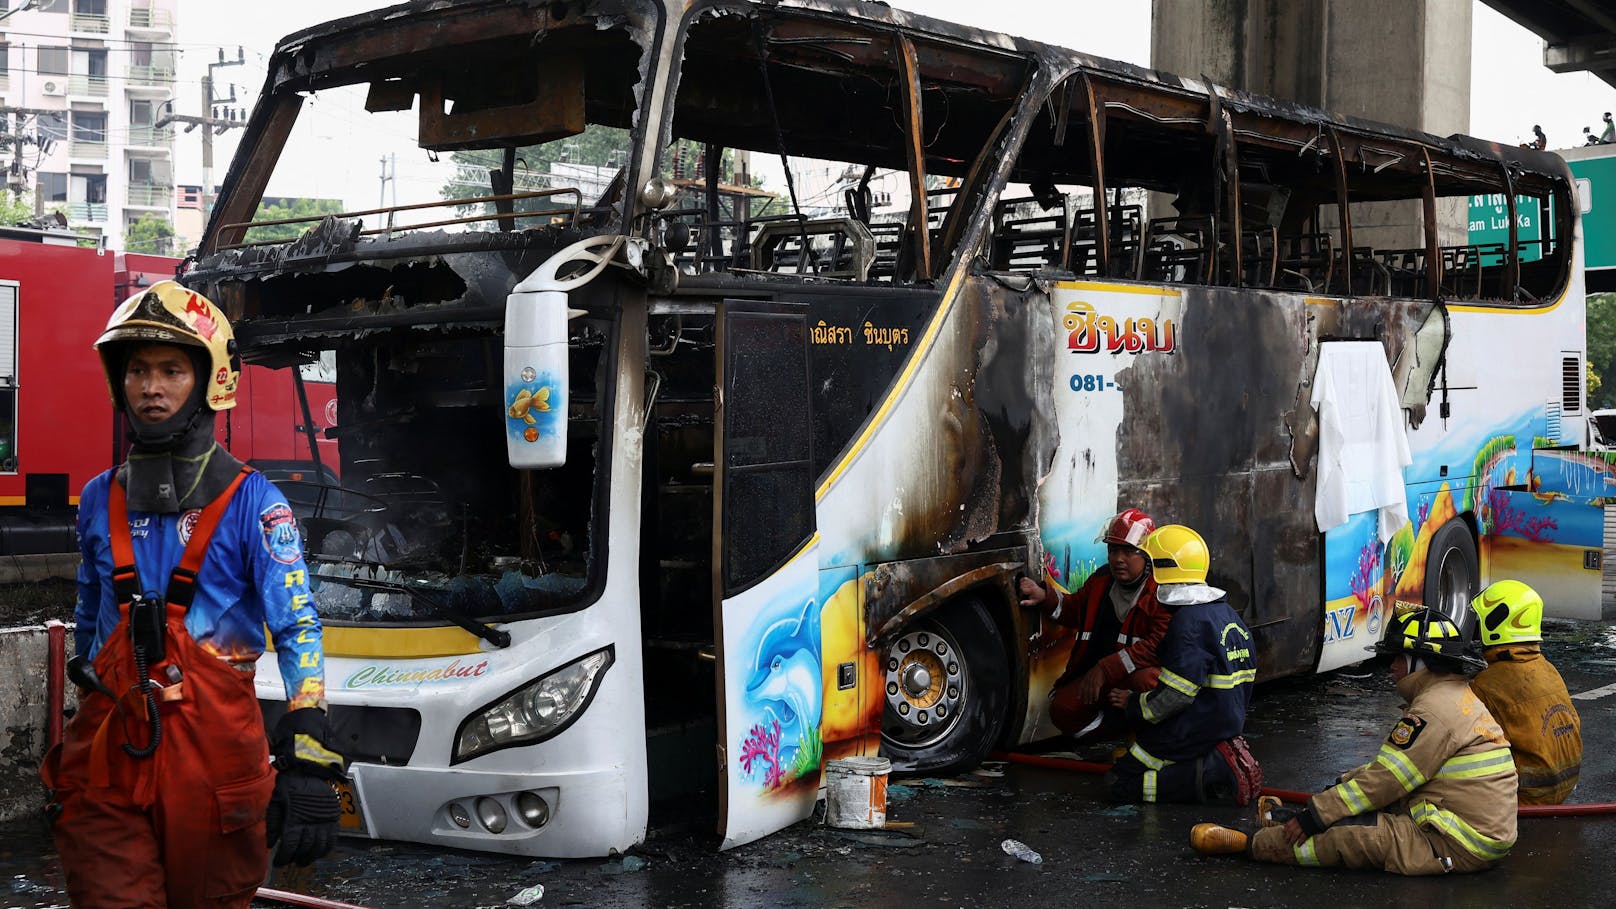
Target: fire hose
(1291, 795)
(299, 899)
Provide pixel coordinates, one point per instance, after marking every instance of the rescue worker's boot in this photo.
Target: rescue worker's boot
(1216, 839)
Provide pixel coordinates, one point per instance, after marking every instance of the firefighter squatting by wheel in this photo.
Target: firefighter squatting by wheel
(946, 686)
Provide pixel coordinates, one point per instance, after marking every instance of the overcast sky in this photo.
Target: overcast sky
(1510, 88)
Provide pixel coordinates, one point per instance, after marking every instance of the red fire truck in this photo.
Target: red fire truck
(56, 429)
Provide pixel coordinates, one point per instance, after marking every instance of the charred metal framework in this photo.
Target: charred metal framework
(1022, 165)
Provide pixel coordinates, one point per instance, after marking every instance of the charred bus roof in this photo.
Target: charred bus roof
(835, 61)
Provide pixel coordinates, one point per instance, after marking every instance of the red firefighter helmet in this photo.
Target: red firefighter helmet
(1129, 527)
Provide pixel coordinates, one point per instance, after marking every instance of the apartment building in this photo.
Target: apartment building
(83, 85)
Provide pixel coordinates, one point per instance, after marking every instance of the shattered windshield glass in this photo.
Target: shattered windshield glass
(408, 172)
(418, 515)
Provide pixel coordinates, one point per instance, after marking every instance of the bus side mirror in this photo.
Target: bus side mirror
(535, 367)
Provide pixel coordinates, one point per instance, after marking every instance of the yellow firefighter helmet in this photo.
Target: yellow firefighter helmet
(1178, 555)
(169, 313)
(1510, 612)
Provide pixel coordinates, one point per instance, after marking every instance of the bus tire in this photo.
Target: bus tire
(1453, 574)
(946, 689)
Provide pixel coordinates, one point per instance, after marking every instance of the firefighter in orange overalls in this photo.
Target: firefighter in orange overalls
(163, 794)
(1119, 625)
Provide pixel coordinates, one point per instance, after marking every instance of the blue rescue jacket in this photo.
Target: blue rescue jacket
(1207, 673)
(253, 576)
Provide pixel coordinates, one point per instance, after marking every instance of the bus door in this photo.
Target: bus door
(765, 572)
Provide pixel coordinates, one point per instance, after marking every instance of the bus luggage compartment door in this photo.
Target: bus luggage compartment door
(766, 568)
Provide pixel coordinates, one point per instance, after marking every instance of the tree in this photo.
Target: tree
(298, 208)
(13, 210)
(1601, 334)
(605, 148)
(151, 234)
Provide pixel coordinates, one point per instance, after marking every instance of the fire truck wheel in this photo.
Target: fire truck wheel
(946, 688)
(1452, 574)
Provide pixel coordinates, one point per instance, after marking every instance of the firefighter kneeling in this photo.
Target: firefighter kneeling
(1438, 797)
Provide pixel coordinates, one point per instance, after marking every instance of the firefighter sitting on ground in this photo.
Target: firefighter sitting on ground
(1439, 795)
(1524, 692)
(162, 787)
(1189, 747)
(1119, 626)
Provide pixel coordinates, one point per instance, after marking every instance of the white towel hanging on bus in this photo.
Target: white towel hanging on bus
(1363, 445)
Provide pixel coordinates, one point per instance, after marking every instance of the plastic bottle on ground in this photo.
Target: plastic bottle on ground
(1022, 851)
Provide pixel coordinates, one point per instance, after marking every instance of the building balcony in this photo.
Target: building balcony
(87, 148)
(150, 78)
(90, 24)
(83, 212)
(91, 86)
(151, 20)
(145, 136)
(150, 195)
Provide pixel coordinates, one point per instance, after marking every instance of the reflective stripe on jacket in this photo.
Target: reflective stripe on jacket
(1208, 671)
(1446, 764)
(1143, 627)
(1525, 693)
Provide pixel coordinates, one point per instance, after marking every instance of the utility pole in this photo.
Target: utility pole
(207, 134)
(210, 124)
(389, 175)
(19, 137)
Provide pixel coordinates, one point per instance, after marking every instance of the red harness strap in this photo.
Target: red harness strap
(126, 586)
(182, 583)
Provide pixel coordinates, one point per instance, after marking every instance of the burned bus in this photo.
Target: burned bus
(697, 416)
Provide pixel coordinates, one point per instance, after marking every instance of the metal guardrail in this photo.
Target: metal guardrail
(90, 23)
(155, 76)
(87, 211)
(154, 136)
(160, 20)
(150, 195)
(391, 227)
(80, 148)
(82, 84)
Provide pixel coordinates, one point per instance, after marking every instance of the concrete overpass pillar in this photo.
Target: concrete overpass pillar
(1404, 62)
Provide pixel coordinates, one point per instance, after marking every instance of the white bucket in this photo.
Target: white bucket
(856, 792)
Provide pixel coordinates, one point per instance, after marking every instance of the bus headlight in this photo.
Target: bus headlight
(534, 712)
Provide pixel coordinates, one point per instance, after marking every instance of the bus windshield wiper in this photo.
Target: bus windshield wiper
(496, 636)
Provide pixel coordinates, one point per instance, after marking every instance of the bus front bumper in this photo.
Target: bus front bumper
(569, 814)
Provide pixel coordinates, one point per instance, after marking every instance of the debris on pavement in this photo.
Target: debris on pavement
(527, 897)
(1021, 851)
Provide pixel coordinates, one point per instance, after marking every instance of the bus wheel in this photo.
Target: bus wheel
(1452, 574)
(947, 685)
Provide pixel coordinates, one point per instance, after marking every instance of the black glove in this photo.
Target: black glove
(303, 816)
(304, 810)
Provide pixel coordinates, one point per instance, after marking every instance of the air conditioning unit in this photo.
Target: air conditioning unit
(55, 87)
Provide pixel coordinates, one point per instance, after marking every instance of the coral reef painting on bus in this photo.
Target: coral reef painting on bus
(1537, 508)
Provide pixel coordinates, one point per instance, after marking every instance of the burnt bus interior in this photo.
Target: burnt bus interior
(422, 519)
(1226, 192)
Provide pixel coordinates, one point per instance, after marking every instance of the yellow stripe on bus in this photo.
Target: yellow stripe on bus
(1514, 309)
(950, 296)
(1155, 291)
(395, 643)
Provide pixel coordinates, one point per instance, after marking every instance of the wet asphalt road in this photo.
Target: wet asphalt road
(1094, 853)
